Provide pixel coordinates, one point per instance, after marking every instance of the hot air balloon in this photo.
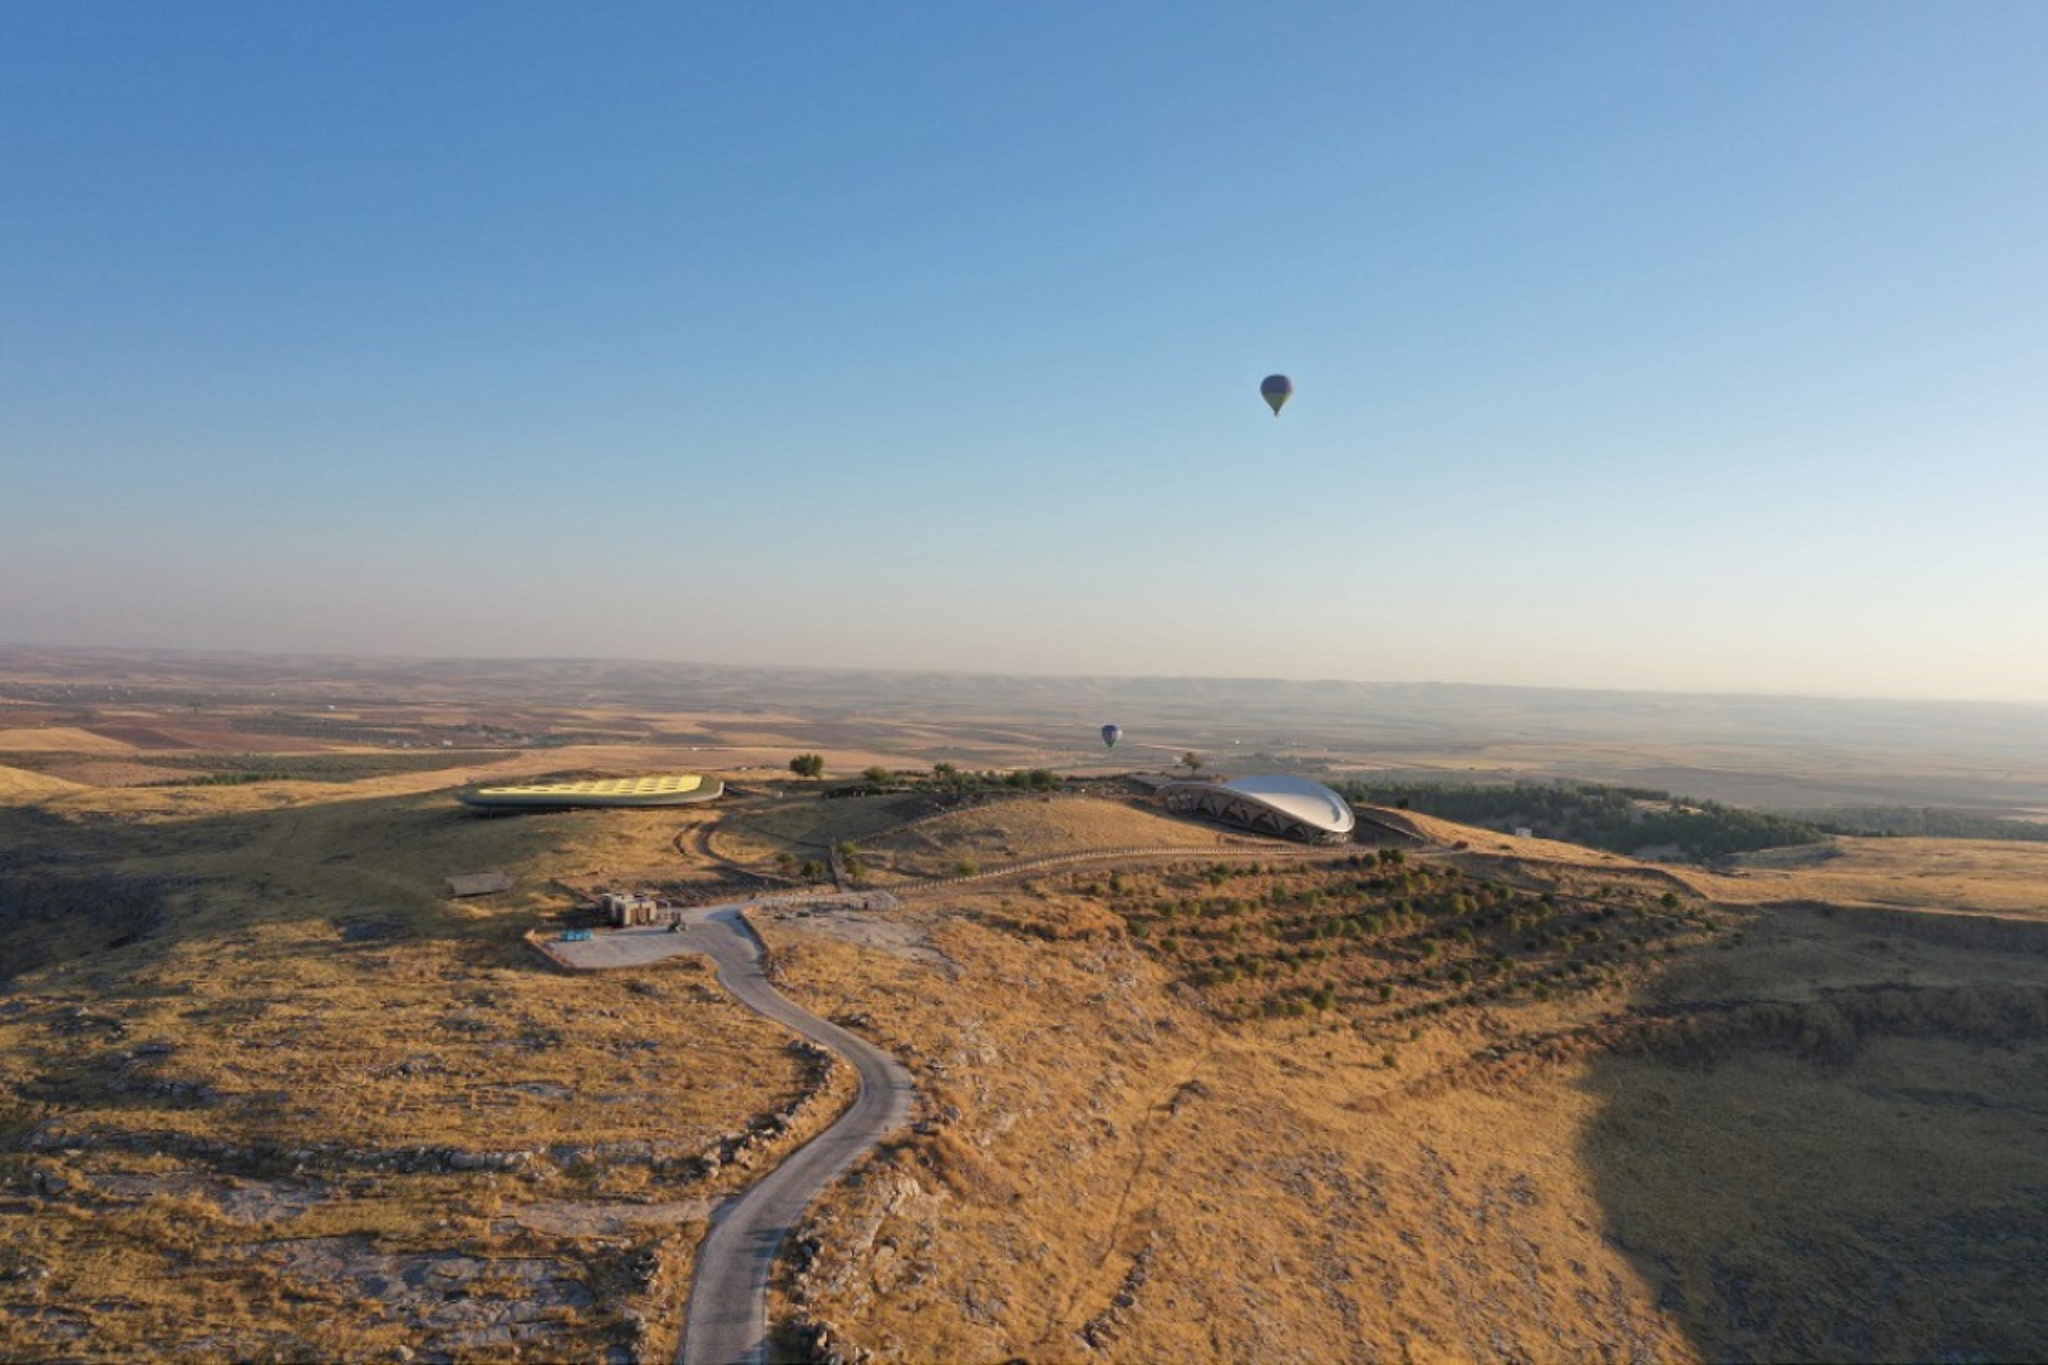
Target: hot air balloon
(1276, 389)
(1111, 734)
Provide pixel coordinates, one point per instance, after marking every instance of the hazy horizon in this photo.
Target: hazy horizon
(741, 666)
(1689, 349)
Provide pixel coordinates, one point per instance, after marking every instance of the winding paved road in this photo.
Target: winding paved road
(727, 1320)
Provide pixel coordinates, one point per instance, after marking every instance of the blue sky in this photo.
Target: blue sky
(1688, 346)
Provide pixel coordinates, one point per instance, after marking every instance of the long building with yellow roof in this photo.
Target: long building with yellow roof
(654, 789)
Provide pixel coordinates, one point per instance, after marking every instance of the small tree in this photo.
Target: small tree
(878, 776)
(808, 765)
(1191, 761)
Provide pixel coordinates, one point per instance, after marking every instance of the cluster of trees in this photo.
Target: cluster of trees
(232, 779)
(227, 770)
(1926, 822)
(804, 869)
(944, 778)
(1032, 780)
(1618, 819)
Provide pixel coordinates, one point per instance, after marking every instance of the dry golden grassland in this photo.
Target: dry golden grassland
(1016, 829)
(19, 787)
(1799, 1135)
(1548, 851)
(913, 837)
(59, 739)
(268, 1091)
(1976, 876)
(296, 1101)
(1114, 1172)
(805, 824)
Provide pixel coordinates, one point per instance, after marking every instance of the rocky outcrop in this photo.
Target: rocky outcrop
(1099, 1331)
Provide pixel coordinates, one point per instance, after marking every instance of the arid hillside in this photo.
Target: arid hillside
(267, 1089)
(1767, 1134)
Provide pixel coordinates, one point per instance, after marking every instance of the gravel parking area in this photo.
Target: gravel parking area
(645, 944)
(635, 947)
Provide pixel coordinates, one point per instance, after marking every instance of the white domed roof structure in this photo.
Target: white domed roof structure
(1276, 804)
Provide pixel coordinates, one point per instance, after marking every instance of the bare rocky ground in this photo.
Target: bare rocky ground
(445, 1254)
(862, 927)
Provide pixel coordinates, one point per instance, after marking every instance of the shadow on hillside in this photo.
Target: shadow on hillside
(372, 867)
(1859, 1179)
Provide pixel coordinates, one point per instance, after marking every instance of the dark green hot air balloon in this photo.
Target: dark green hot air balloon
(1276, 389)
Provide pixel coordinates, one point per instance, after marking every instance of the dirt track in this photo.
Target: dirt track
(727, 1317)
(726, 1320)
